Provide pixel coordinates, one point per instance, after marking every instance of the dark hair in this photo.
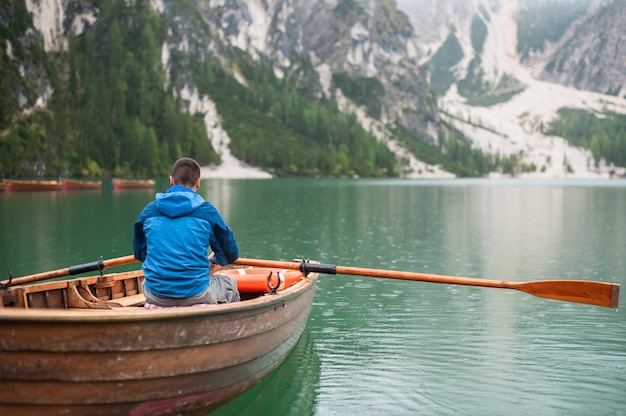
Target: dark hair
(186, 172)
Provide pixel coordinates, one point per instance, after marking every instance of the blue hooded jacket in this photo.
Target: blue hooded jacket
(172, 236)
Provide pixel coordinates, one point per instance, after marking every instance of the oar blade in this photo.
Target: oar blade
(577, 291)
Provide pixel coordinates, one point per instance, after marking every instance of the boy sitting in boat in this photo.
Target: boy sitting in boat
(172, 236)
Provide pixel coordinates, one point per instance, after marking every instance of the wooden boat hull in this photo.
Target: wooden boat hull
(135, 361)
(132, 184)
(21, 185)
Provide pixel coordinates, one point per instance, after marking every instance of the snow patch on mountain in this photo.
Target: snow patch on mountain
(230, 167)
(412, 168)
(49, 18)
(514, 127)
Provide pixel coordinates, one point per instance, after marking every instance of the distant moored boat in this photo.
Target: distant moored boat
(75, 184)
(24, 185)
(132, 183)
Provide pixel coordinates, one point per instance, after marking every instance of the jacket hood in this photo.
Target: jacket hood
(178, 201)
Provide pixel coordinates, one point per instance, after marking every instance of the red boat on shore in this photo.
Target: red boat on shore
(132, 183)
(25, 185)
(36, 185)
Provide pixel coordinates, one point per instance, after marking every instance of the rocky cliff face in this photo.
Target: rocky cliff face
(308, 42)
(591, 55)
(576, 43)
(503, 68)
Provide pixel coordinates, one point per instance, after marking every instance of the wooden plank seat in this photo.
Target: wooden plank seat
(119, 290)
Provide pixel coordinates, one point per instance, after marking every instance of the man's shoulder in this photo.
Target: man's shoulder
(150, 210)
(208, 207)
(204, 210)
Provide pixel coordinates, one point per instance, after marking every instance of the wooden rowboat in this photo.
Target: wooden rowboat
(23, 185)
(89, 346)
(75, 184)
(132, 183)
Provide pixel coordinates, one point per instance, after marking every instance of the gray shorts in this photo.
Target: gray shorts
(222, 289)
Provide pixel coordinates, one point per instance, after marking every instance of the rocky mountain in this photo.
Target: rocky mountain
(503, 69)
(591, 54)
(320, 44)
(576, 43)
(492, 73)
(360, 55)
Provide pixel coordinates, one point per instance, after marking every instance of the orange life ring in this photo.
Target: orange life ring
(263, 279)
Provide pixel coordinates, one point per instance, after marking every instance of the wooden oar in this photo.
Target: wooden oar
(579, 291)
(78, 269)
